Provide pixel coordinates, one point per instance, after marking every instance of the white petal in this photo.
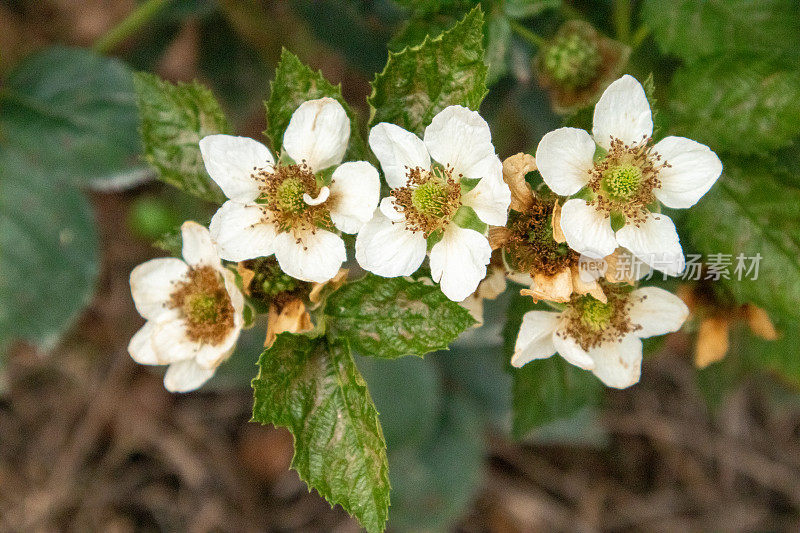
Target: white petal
(460, 139)
(230, 161)
(389, 210)
(237, 299)
(152, 284)
(388, 249)
(655, 242)
(241, 232)
(571, 351)
(458, 261)
(141, 345)
(657, 312)
(397, 150)
(564, 158)
(318, 133)
(198, 249)
(535, 338)
(317, 257)
(587, 230)
(622, 113)
(490, 199)
(185, 376)
(171, 342)
(211, 356)
(618, 364)
(355, 191)
(693, 169)
(321, 198)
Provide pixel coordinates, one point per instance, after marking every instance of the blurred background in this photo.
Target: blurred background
(89, 441)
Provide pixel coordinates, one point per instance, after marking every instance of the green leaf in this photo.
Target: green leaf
(174, 119)
(749, 213)
(313, 388)
(737, 104)
(422, 80)
(74, 112)
(391, 317)
(692, 29)
(296, 83)
(67, 118)
(48, 251)
(548, 389)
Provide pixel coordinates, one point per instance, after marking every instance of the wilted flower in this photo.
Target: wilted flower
(623, 183)
(193, 310)
(601, 337)
(289, 208)
(428, 205)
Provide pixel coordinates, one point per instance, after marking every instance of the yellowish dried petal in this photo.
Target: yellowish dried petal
(712, 341)
(291, 318)
(498, 236)
(514, 170)
(614, 274)
(759, 322)
(318, 290)
(558, 233)
(247, 276)
(592, 288)
(556, 288)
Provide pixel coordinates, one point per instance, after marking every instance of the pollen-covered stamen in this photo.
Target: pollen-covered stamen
(429, 199)
(531, 247)
(286, 190)
(591, 322)
(623, 182)
(205, 304)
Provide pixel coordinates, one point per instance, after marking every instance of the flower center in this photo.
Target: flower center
(283, 188)
(624, 180)
(572, 60)
(289, 195)
(205, 304)
(591, 322)
(531, 247)
(429, 199)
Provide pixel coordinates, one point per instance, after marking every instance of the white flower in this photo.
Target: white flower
(425, 198)
(286, 209)
(625, 184)
(603, 338)
(193, 310)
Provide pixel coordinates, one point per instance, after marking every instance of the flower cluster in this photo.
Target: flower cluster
(450, 199)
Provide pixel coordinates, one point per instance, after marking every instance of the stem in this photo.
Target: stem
(622, 20)
(639, 36)
(534, 38)
(129, 25)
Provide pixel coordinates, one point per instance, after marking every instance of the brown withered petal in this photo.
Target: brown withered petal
(292, 317)
(498, 236)
(558, 233)
(514, 170)
(556, 288)
(759, 322)
(592, 288)
(319, 290)
(712, 341)
(613, 273)
(247, 276)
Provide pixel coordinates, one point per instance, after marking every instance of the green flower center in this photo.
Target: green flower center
(622, 181)
(430, 199)
(596, 315)
(572, 60)
(289, 195)
(201, 308)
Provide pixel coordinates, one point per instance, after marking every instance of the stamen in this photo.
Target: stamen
(205, 304)
(429, 199)
(591, 322)
(293, 200)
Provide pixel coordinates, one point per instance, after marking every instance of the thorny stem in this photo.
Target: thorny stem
(530, 36)
(129, 25)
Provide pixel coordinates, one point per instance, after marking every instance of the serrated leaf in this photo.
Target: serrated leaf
(692, 29)
(544, 390)
(174, 119)
(737, 104)
(75, 113)
(313, 388)
(749, 213)
(392, 317)
(422, 80)
(296, 83)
